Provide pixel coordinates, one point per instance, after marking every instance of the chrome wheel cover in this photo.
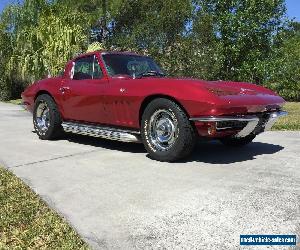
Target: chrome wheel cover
(163, 129)
(42, 116)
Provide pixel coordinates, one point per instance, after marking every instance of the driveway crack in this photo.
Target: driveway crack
(52, 159)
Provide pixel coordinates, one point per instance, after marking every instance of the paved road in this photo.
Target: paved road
(117, 198)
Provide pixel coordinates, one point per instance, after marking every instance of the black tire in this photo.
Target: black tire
(237, 142)
(54, 128)
(184, 138)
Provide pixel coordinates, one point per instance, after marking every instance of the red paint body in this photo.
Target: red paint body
(119, 101)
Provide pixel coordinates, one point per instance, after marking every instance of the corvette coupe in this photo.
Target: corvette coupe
(127, 97)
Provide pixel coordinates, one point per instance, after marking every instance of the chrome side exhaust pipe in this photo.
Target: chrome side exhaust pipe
(102, 132)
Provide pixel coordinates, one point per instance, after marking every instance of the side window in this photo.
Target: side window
(87, 68)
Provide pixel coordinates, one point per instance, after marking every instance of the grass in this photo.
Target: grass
(27, 223)
(16, 101)
(292, 120)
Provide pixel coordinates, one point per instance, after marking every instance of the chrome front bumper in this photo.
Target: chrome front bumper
(253, 121)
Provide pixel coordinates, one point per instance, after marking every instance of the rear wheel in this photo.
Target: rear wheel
(46, 118)
(237, 142)
(166, 131)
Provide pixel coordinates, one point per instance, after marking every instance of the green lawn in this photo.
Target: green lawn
(16, 101)
(26, 222)
(292, 120)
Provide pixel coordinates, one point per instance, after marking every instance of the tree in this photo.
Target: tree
(245, 29)
(5, 49)
(245, 40)
(43, 36)
(283, 67)
(147, 24)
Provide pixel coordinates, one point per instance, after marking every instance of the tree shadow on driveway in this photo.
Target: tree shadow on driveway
(207, 152)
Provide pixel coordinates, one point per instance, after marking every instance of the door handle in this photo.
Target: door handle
(64, 89)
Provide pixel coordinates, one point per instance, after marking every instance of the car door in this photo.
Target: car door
(82, 92)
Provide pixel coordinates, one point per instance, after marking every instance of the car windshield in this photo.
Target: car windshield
(132, 65)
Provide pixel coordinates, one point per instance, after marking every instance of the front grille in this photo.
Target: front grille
(239, 125)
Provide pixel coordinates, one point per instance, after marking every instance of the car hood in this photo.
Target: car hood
(251, 97)
(223, 88)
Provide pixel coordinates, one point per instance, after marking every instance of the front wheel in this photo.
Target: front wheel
(166, 131)
(46, 118)
(237, 142)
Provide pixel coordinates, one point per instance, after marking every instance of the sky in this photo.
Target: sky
(293, 7)
(3, 3)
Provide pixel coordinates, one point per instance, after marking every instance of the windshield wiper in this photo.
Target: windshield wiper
(150, 73)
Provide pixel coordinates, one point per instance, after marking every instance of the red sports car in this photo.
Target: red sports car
(127, 97)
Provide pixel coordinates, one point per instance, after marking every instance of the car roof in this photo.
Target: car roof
(119, 53)
(104, 52)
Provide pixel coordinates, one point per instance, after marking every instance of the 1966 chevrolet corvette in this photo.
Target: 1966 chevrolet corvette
(125, 96)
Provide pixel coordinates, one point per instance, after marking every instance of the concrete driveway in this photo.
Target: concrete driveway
(117, 198)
